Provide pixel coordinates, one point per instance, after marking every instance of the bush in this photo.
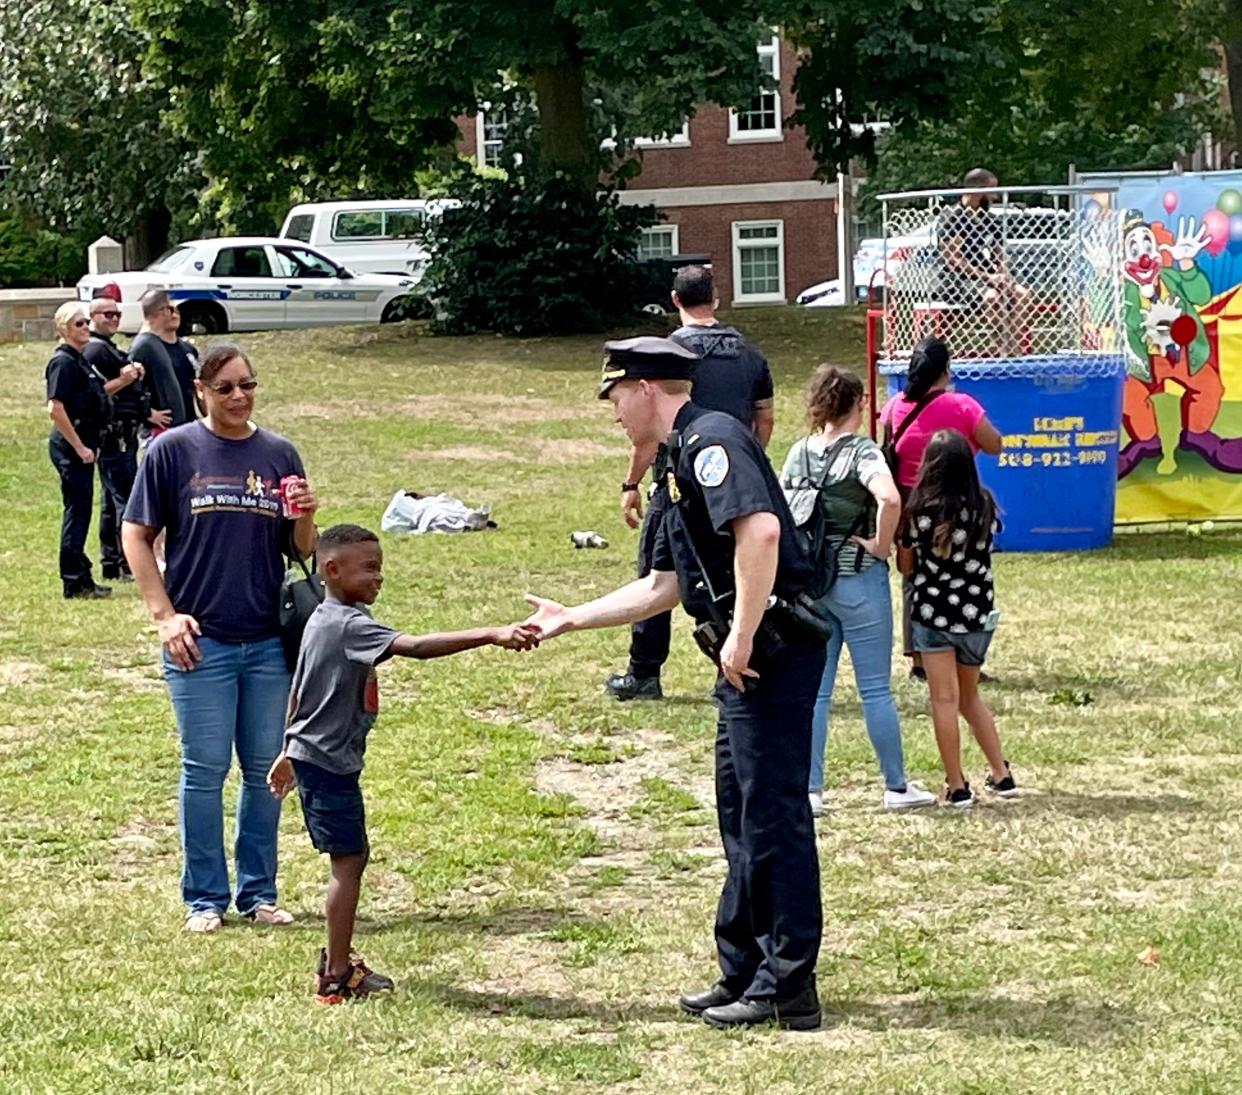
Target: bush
(32, 257)
(533, 258)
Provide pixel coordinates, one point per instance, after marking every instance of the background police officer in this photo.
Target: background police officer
(725, 547)
(118, 450)
(732, 376)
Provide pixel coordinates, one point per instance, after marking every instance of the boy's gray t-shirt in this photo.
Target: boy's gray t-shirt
(335, 692)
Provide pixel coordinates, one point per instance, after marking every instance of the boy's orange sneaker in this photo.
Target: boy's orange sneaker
(356, 983)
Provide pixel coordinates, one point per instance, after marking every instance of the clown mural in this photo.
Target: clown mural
(1166, 343)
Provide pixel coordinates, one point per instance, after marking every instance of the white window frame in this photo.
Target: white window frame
(671, 229)
(481, 141)
(679, 139)
(738, 135)
(740, 245)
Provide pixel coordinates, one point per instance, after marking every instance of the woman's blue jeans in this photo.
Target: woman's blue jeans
(234, 699)
(861, 608)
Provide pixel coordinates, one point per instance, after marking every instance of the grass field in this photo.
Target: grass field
(546, 864)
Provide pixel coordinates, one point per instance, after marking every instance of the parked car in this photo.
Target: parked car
(1031, 233)
(878, 259)
(827, 294)
(257, 283)
(382, 236)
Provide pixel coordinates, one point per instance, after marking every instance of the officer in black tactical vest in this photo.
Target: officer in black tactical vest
(727, 549)
(118, 451)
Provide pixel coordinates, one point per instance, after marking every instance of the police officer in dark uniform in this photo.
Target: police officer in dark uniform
(728, 550)
(732, 376)
(79, 411)
(118, 451)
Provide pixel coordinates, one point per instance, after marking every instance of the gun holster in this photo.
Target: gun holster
(799, 619)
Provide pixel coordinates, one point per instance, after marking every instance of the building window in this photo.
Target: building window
(759, 261)
(658, 243)
(762, 119)
(678, 139)
(493, 124)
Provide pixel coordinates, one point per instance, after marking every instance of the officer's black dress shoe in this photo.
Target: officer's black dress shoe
(797, 1012)
(718, 996)
(92, 592)
(117, 574)
(626, 686)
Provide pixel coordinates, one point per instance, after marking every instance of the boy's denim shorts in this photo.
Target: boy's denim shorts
(332, 807)
(971, 647)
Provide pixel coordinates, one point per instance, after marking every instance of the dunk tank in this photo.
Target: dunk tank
(1025, 288)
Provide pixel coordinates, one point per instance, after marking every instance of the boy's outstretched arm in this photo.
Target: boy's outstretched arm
(441, 644)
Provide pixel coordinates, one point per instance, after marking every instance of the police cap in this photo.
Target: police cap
(645, 358)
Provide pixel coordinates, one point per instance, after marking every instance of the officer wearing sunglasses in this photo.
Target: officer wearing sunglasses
(78, 407)
(118, 450)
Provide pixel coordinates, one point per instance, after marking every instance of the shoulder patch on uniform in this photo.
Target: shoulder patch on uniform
(711, 466)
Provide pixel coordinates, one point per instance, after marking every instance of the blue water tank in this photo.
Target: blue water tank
(1056, 481)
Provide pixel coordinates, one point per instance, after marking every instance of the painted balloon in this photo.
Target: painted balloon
(1235, 228)
(1216, 224)
(1230, 201)
(1183, 330)
(1170, 201)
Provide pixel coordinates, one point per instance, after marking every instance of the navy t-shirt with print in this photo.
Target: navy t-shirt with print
(217, 500)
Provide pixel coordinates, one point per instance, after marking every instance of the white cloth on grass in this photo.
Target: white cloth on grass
(434, 513)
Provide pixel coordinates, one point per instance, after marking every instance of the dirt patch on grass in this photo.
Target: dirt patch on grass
(462, 410)
(608, 792)
(140, 680)
(13, 738)
(19, 671)
(138, 844)
(558, 453)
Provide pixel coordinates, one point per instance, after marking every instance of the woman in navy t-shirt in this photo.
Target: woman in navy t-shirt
(213, 487)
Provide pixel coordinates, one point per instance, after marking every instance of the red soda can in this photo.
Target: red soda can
(289, 507)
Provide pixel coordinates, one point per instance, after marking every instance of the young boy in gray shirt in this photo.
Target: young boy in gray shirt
(332, 706)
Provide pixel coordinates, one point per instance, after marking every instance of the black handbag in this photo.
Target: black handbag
(300, 595)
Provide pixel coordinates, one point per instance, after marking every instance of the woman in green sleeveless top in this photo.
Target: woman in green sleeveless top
(861, 506)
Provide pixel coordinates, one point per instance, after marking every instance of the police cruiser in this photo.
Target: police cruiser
(256, 283)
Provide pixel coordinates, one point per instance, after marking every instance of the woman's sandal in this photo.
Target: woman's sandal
(270, 914)
(204, 921)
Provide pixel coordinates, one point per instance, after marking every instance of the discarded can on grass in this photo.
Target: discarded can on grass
(588, 540)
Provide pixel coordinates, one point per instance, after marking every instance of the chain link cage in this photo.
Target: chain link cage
(1007, 277)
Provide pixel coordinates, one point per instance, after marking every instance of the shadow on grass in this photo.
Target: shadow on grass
(535, 1005)
(1061, 1020)
(1103, 806)
(519, 920)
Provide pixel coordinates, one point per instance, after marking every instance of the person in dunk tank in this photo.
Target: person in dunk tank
(1166, 343)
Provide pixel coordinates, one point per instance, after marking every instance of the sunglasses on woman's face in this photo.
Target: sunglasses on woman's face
(225, 387)
(81, 323)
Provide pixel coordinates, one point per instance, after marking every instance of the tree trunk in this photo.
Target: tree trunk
(565, 143)
(1231, 41)
(149, 239)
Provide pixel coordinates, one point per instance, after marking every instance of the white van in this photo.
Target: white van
(375, 237)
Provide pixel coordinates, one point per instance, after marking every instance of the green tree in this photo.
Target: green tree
(83, 126)
(1110, 85)
(903, 62)
(328, 97)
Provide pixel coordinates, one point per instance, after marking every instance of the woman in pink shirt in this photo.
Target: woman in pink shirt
(936, 407)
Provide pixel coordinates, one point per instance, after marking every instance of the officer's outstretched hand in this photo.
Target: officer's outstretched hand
(735, 661)
(550, 617)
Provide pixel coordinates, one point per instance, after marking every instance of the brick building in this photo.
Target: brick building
(734, 185)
